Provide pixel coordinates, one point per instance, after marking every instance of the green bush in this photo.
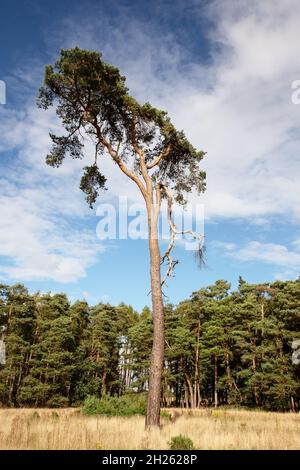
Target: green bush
(181, 443)
(126, 405)
(165, 414)
(57, 401)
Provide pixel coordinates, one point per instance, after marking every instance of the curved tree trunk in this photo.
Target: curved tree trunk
(157, 355)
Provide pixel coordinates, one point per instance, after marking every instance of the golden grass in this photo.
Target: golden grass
(208, 429)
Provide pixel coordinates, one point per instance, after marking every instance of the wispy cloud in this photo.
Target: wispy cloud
(227, 246)
(37, 243)
(270, 253)
(38, 238)
(277, 255)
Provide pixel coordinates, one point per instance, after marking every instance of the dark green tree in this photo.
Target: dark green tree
(18, 316)
(51, 360)
(104, 347)
(140, 338)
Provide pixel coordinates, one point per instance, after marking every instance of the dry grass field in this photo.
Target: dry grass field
(208, 429)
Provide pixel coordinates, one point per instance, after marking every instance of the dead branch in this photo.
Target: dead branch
(173, 232)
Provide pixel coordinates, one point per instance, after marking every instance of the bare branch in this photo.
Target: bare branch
(173, 232)
(119, 145)
(143, 165)
(158, 159)
(167, 255)
(96, 151)
(157, 201)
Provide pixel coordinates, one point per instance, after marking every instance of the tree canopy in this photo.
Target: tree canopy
(92, 100)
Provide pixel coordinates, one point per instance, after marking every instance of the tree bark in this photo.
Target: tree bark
(262, 317)
(157, 354)
(104, 387)
(216, 382)
(197, 394)
(293, 404)
(190, 388)
(254, 370)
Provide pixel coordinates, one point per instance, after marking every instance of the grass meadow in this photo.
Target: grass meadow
(209, 429)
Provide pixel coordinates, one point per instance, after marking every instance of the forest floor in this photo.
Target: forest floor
(209, 429)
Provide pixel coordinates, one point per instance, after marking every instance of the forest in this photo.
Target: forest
(223, 347)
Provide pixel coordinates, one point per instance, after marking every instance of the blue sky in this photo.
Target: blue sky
(223, 70)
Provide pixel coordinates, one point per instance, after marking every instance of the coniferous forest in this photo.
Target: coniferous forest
(223, 347)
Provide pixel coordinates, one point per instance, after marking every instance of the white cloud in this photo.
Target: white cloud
(38, 240)
(38, 245)
(286, 275)
(296, 244)
(227, 246)
(269, 253)
(247, 122)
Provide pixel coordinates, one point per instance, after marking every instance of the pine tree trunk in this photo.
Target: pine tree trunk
(197, 395)
(157, 355)
(186, 397)
(104, 385)
(216, 382)
(191, 392)
(262, 318)
(293, 405)
(254, 370)
(228, 372)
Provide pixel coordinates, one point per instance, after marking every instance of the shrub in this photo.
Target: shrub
(127, 405)
(57, 401)
(181, 443)
(92, 405)
(165, 414)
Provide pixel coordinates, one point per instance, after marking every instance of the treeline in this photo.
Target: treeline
(222, 348)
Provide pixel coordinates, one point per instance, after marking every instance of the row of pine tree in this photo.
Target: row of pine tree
(222, 348)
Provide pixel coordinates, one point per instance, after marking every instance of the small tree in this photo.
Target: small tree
(92, 100)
